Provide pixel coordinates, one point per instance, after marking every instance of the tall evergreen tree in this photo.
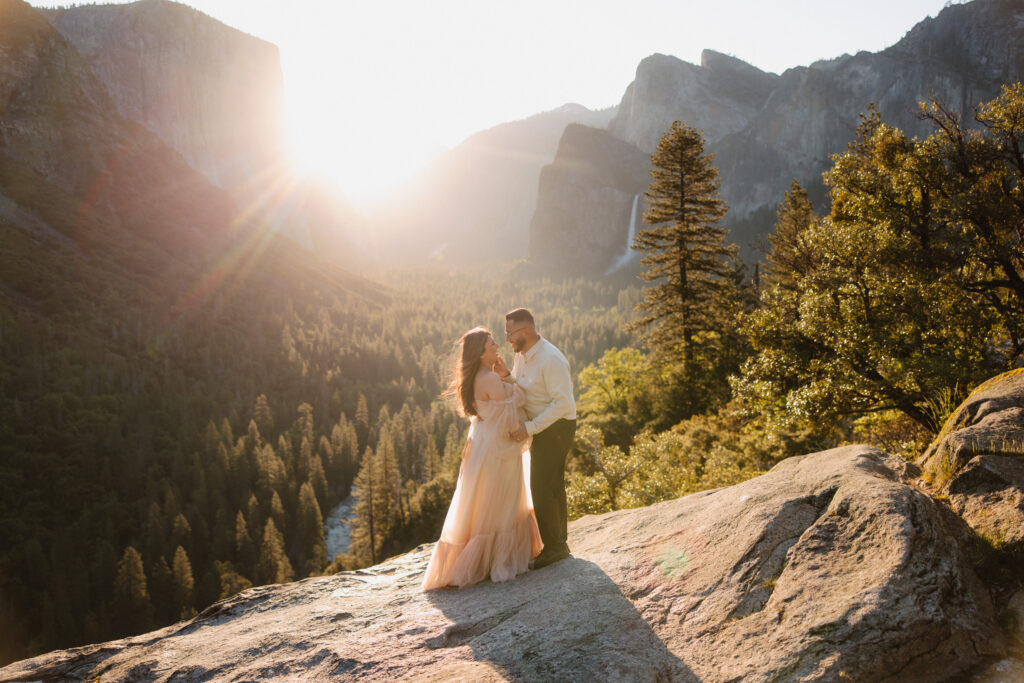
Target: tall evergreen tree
(133, 610)
(792, 255)
(184, 584)
(370, 507)
(263, 416)
(245, 552)
(310, 528)
(362, 421)
(273, 565)
(692, 299)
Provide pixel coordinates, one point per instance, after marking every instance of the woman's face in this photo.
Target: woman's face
(490, 354)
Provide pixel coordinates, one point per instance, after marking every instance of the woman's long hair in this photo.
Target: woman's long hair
(468, 350)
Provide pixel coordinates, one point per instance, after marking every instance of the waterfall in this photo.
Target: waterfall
(628, 253)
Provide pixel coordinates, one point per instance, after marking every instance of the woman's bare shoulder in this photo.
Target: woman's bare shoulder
(488, 386)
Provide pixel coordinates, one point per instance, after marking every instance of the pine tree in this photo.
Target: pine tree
(263, 416)
(254, 517)
(184, 584)
(181, 532)
(792, 255)
(431, 460)
(273, 565)
(277, 512)
(245, 552)
(310, 529)
(362, 421)
(391, 477)
(133, 610)
(693, 298)
(367, 527)
(306, 441)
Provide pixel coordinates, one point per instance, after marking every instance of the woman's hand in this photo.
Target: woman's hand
(520, 434)
(500, 368)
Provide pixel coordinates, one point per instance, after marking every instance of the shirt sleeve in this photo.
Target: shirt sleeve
(558, 382)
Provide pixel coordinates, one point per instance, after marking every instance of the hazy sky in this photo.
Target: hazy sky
(375, 88)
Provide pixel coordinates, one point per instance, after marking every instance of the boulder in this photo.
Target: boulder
(831, 565)
(978, 461)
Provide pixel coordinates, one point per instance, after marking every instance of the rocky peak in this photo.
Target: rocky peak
(720, 96)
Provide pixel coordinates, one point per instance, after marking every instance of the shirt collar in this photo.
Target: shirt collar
(533, 350)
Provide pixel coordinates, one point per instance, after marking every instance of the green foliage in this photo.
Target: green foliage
(688, 313)
(702, 452)
(898, 294)
(614, 394)
(184, 584)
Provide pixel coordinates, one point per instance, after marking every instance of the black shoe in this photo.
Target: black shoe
(544, 559)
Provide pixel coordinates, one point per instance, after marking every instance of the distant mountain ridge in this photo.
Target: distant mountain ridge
(766, 130)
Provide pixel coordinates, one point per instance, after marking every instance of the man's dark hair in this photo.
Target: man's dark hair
(519, 316)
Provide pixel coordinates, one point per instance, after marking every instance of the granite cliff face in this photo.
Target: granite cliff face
(208, 90)
(835, 565)
(720, 96)
(64, 148)
(214, 94)
(765, 130)
(592, 189)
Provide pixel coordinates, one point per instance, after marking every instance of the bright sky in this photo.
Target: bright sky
(377, 88)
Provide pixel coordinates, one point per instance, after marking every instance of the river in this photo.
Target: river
(336, 531)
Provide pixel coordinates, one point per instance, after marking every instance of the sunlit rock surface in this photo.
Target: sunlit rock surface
(830, 565)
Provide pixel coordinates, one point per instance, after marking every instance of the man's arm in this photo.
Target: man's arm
(559, 384)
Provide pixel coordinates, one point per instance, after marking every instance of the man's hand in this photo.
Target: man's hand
(520, 434)
(500, 368)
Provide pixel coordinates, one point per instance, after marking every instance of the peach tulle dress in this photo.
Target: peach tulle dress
(490, 529)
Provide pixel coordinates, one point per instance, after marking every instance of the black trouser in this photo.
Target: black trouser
(547, 482)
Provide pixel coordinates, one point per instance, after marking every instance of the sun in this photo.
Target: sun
(368, 153)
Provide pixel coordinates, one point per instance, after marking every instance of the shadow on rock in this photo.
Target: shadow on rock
(566, 621)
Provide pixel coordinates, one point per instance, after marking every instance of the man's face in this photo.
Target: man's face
(515, 334)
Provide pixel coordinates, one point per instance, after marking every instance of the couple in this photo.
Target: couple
(491, 529)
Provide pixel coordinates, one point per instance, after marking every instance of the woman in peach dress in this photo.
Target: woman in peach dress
(490, 529)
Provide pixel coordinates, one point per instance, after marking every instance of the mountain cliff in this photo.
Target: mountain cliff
(720, 96)
(600, 178)
(214, 94)
(66, 152)
(765, 130)
(207, 90)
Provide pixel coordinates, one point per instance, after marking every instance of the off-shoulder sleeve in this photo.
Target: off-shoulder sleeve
(508, 416)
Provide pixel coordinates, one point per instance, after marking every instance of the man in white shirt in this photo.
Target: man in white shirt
(543, 373)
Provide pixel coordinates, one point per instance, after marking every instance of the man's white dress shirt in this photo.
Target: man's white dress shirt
(543, 373)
